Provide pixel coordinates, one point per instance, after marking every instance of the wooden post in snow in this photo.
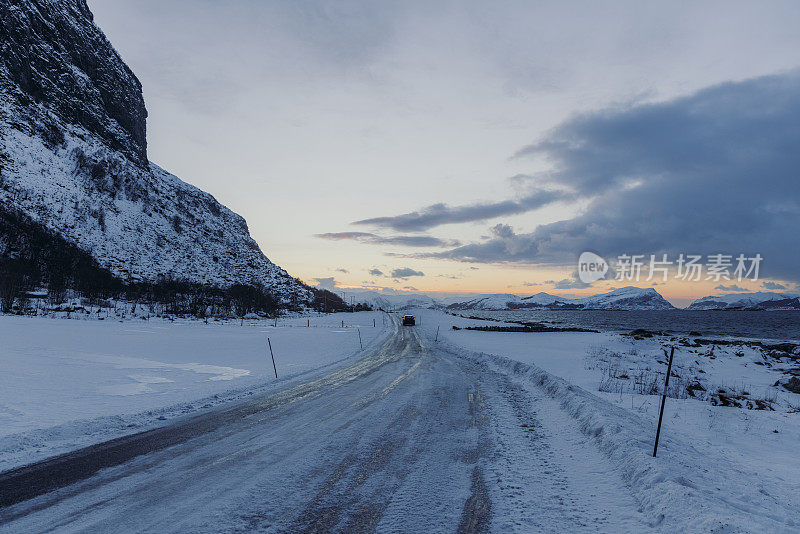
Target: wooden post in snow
(274, 368)
(663, 401)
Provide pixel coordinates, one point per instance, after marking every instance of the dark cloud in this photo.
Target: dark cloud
(376, 272)
(569, 283)
(439, 214)
(341, 270)
(773, 285)
(573, 282)
(502, 246)
(405, 272)
(521, 179)
(326, 283)
(404, 240)
(712, 172)
(732, 287)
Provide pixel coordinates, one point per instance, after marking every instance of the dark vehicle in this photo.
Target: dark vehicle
(408, 320)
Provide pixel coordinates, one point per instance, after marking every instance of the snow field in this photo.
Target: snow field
(720, 469)
(68, 383)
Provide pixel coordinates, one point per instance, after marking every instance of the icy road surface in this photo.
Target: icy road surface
(409, 439)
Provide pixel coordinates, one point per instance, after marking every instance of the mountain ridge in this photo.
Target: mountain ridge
(73, 158)
(619, 299)
(756, 300)
(625, 298)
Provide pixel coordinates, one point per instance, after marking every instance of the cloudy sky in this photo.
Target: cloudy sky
(480, 146)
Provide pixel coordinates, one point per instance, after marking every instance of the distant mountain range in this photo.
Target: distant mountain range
(390, 301)
(760, 300)
(626, 298)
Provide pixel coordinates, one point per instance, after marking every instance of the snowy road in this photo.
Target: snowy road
(409, 439)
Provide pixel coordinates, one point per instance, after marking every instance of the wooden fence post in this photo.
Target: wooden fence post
(274, 368)
(663, 401)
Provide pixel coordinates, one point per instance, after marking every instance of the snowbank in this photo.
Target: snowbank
(697, 483)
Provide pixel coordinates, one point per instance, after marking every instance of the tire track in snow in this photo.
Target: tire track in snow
(26, 482)
(542, 474)
(409, 439)
(361, 451)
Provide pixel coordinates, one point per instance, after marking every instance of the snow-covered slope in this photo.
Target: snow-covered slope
(499, 301)
(391, 301)
(118, 371)
(542, 299)
(626, 298)
(73, 157)
(757, 299)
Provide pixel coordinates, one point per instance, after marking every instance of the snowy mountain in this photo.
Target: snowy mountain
(626, 298)
(73, 159)
(501, 301)
(392, 301)
(542, 299)
(761, 300)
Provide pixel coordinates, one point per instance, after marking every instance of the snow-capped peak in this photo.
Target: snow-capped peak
(625, 298)
(755, 299)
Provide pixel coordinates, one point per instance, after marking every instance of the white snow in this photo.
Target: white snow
(719, 469)
(141, 224)
(569, 438)
(67, 383)
(421, 442)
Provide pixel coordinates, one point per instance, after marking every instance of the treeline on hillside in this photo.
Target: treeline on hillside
(33, 257)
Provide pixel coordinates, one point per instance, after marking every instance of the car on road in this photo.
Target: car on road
(409, 320)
